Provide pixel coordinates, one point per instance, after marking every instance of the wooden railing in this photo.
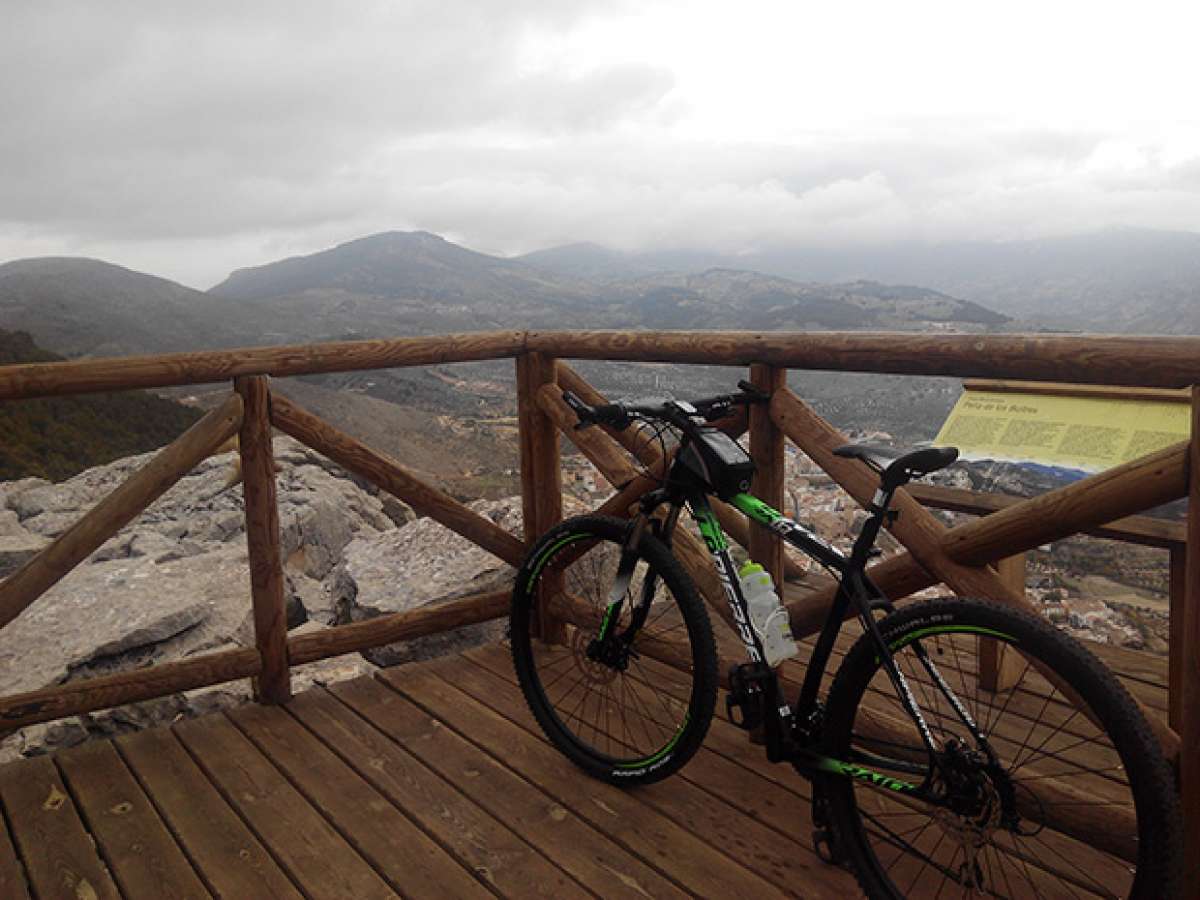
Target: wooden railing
(972, 559)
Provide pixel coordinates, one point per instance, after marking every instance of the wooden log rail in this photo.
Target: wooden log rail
(972, 558)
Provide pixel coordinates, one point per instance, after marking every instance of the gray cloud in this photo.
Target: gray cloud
(188, 139)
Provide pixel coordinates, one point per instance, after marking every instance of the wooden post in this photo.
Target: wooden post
(273, 684)
(766, 449)
(1189, 756)
(1176, 620)
(998, 668)
(541, 477)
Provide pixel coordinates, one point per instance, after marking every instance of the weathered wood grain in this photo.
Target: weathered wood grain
(13, 883)
(497, 855)
(233, 862)
(118, 509)
(586, 854)
(541, 475)
(1086, 391)
(1160, 362)
(388, 474)
(273, 683)
(1143, 530)
(766, 449)
(91, 694)
(413, 864)
(1120, 491)
(89, 376)
(1189, 762)
(999, 667)
(297, 835)
(144, 857)
(61, 861)
(400, 626)
(668, 840)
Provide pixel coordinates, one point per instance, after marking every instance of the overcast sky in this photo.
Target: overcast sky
(188, 139)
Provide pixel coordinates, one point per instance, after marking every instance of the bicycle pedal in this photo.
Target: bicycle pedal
(744, 697)
(748, 712)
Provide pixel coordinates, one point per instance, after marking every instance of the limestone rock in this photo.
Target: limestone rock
(96, 611)
(175, 582)
(16, 547)
(397, 510)
(420, 564)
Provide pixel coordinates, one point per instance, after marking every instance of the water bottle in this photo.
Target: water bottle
(767, 615)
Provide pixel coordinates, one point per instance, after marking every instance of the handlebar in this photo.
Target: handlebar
(675, 412)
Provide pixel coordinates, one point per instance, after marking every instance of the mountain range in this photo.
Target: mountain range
(418, 283)
(398, 283)
(1128, 280)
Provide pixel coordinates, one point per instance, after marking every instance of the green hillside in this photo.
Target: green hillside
(57, 437)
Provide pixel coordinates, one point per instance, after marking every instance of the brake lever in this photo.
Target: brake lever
(582, 410)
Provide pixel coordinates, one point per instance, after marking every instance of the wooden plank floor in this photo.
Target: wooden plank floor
(427, 781)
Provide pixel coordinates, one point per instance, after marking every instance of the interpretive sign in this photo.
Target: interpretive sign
(1090, 433)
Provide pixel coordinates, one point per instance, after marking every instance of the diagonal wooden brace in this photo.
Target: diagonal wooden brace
(380, 469)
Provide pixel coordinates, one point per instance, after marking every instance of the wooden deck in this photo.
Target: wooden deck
(429, 780)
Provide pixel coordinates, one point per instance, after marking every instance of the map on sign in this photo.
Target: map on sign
(1087, 433)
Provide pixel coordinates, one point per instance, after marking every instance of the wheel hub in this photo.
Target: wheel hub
(974, 809)
(599, 661)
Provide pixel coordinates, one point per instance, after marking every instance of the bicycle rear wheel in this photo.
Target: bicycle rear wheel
(1096, 810)
(606, 711)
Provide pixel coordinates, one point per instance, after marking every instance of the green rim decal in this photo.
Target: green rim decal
(756, 509)
(550, 551)
(651, 760)
(942, 629)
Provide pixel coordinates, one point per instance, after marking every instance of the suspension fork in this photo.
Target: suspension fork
(664, 530)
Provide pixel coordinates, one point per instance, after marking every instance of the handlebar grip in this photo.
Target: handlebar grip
(614, 415)
(752, 392)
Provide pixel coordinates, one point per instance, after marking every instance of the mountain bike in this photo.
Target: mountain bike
(925, 783)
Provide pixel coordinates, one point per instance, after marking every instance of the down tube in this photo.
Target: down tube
(718, 546)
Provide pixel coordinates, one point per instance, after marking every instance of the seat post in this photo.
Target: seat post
(878, 512)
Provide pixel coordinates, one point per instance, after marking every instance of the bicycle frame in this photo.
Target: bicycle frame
(855, 590)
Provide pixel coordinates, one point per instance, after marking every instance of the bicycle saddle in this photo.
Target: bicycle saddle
(899, 466)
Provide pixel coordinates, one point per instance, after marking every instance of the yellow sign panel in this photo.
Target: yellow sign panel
(1086, 433)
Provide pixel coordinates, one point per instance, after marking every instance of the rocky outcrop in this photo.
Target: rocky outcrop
(175, 582)
(419, 564)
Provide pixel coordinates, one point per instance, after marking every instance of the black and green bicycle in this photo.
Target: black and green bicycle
(924, 783)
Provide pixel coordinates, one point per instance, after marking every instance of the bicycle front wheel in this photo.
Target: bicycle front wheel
(606, 708)
(1068, 796)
